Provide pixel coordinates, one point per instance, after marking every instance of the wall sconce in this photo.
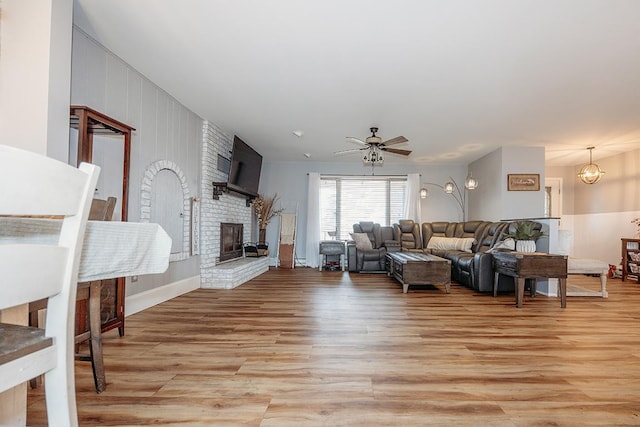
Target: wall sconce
(590, 173)
(451, 187)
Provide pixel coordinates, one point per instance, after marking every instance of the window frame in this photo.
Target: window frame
(391, 215)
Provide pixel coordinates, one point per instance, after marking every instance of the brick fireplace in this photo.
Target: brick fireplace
(229, 209)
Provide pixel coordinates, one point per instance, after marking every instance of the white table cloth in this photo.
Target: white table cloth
(111, 249)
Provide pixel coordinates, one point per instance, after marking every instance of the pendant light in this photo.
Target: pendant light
(591, 172)
(451, 187)
(470, 183)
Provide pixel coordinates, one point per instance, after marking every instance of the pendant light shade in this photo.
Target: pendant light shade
(470, 183)
(591, 172)
(449, 186)
(458, 193)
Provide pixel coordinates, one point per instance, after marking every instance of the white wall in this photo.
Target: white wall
(485, 202)
(290, 181)
(522, 204)
(35, 72)
(491, 201)
(599, 215)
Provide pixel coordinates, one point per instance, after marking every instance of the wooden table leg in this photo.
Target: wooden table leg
(90, 291)
(95, 341)
(519, 291)
(495, 284)
(562, 289)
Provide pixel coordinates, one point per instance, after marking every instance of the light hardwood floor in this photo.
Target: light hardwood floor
(307, 348)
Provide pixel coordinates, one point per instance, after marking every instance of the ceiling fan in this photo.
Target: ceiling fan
(374, 147)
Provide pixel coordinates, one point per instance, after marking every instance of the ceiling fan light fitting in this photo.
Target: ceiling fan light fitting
(373, 157)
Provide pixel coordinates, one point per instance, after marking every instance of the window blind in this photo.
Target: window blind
(345, 201)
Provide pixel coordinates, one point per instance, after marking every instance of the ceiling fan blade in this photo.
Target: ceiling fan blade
(396, 151)
(350, 151)
(356, 140)
(396, 140)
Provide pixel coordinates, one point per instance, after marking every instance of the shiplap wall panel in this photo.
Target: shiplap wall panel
(165, 129)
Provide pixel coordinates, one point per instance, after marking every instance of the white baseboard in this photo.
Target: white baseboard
(146, 299)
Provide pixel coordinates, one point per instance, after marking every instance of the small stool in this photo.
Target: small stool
(589, 266)
(329, 248)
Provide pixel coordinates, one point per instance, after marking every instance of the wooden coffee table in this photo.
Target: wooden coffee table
(411, 268)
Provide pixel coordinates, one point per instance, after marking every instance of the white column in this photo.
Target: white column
(548, 244)
(35, 90)
(35, 75)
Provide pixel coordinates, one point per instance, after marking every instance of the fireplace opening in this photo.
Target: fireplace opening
(231, 236)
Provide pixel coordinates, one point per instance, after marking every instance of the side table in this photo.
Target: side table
(534, 265)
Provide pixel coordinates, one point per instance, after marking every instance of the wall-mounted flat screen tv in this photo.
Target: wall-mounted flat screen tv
(244, 173)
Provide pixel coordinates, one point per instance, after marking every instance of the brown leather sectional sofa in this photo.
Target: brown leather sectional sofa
(473, 268)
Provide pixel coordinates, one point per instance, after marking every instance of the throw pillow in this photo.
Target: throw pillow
(362, 241)
(451, 243)
(507, 243)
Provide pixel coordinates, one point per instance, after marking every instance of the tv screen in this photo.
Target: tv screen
(244, 173)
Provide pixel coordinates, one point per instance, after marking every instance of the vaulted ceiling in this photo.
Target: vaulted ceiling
(457, 78)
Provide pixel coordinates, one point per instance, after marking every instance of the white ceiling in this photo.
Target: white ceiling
(458, 78)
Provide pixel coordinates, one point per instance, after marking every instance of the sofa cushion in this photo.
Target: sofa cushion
(362, 241)
(451, 243)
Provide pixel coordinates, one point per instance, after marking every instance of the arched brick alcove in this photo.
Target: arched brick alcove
(146, 191)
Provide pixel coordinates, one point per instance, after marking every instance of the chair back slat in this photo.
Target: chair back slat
(35, 185)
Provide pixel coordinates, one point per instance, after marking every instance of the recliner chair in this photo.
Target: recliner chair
(407, 232)
(371, 260)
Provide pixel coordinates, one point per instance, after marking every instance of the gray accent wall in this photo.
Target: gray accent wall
(491, 200)
(165, 130)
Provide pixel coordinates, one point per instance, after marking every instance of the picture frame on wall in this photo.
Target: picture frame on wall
(523, 182)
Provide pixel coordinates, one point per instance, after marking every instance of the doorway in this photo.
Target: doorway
(553, 197)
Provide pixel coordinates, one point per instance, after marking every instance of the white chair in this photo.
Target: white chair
(35, 186)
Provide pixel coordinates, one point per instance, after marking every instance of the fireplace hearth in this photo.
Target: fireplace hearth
(231, 235)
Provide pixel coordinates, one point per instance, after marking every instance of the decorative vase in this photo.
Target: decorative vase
(262, 235)
(526, 246)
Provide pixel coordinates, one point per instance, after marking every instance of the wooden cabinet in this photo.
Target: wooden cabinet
(630, 259)
(90, 122)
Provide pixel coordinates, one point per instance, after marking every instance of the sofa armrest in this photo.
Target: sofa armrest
(483, 274)
(392, 245)
(352, 263)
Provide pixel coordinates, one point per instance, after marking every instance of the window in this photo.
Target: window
(345, 201)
